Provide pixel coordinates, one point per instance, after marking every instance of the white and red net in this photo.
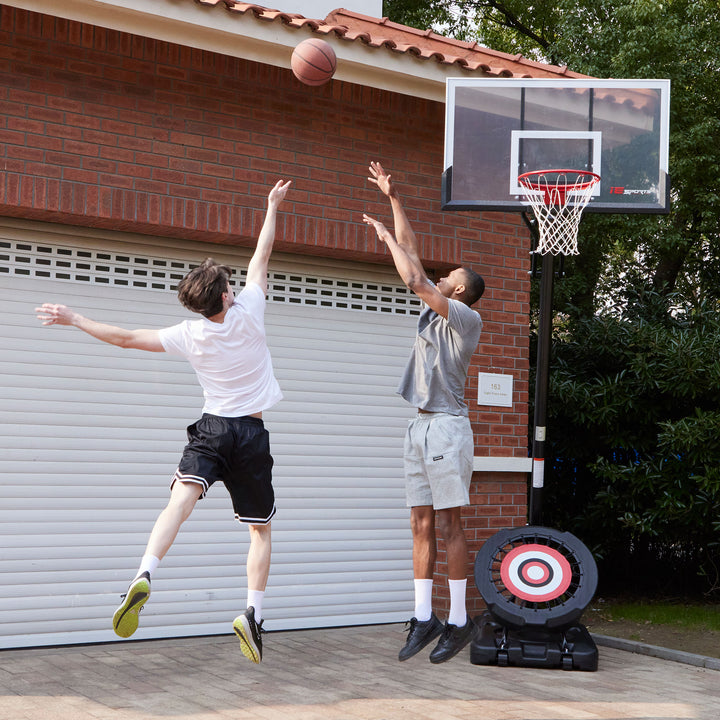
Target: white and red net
(558, 198)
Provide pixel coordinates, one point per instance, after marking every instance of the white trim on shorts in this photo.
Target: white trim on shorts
(179, 477)
(256, 521)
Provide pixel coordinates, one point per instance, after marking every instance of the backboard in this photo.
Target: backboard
(499, 128)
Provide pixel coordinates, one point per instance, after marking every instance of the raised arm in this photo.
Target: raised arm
(411, 272)
(404, 233)
(258, 265)
(52, 314)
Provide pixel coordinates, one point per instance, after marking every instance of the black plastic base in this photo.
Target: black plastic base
(570, 648)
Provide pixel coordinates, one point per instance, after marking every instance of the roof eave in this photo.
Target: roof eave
(254, 33)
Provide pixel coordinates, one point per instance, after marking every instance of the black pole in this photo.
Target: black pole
(541, 389)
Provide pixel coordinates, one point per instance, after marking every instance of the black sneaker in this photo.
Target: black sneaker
(125, 619)
(249, 633)
(453, 640)
(420, 635)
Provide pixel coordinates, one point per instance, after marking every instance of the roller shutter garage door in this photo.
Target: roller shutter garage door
(91, 435)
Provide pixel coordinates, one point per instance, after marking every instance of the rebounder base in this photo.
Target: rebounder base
(569, 648)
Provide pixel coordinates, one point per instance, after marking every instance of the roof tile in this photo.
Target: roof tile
(426, 44)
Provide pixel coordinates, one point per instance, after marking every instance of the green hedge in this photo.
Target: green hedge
(634, 427)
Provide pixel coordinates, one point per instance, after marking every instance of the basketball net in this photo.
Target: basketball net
(558, 198)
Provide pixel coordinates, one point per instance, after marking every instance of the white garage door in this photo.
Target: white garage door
(91, 434)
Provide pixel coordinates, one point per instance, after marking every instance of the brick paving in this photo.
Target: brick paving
(336, 674)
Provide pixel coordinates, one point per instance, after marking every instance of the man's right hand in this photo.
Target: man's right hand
(382, 232)
(52, 314)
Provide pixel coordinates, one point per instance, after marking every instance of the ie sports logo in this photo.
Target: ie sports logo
(622, 190)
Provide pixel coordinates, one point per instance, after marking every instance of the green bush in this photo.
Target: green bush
(634, 427)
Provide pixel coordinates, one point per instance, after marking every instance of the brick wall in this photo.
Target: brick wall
(105, 129)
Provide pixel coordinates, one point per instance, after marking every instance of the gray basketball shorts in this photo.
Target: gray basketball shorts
(438, 460)
(235, 451)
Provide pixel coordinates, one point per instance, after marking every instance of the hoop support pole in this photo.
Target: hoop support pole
(542, 374)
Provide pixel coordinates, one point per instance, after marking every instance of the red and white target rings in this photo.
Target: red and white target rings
(536, 573)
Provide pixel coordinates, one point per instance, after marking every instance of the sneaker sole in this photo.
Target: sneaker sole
(125, 619)
(249, 649)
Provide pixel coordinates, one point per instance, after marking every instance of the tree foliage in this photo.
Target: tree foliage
(634, 400)
(679, 40)
(635, 423)
(512, 26)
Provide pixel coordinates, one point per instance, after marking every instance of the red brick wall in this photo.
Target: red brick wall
(105, 129)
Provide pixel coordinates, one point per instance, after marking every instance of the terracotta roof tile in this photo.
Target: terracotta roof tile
(426, 44)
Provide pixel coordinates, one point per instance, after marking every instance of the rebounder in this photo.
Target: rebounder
(536, 583)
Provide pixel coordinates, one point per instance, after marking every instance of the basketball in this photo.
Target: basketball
(313, 62)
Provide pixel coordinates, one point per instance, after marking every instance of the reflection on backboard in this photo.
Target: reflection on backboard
(499, 128)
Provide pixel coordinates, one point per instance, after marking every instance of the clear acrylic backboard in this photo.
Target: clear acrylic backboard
(499, 128)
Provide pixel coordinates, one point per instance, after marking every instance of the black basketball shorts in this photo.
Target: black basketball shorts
(235, 451)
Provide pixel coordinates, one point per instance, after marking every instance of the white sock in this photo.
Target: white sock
(148, 564)
(423, 599)
(458, 612)
(255, 600)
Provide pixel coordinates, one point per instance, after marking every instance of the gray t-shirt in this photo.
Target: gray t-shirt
(434, 378)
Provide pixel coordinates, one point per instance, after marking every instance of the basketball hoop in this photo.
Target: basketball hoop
(558, 198)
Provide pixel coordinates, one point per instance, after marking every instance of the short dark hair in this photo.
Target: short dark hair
(201, 290)
(474, 286)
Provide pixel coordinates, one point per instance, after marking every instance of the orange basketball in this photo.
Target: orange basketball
(313, 62)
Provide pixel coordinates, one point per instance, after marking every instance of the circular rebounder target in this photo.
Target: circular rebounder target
(535, 576)
(536, 573)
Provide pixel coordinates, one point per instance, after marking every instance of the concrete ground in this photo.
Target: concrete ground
(337, 674)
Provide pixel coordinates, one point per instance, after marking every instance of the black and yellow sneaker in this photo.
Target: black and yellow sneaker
(125, 619)
(249, 633)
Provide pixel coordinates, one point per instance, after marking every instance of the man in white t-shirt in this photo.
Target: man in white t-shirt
(439, 444)
(227, 349)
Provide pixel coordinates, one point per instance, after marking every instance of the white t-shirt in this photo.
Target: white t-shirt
(231, 358)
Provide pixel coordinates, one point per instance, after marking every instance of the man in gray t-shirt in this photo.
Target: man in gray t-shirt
(439, 445)
(434, 379)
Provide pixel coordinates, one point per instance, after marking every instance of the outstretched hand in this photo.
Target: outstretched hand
(52, 314)
(381, 179)
(382, 232)
(278, 193)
